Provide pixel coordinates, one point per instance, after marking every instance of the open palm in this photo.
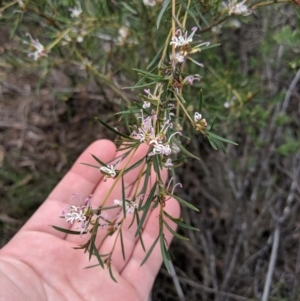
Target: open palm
(39, 263)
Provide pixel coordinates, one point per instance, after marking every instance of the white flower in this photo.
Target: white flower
(76, 11)
(21, 3)
(169, 163)
(235, 8)
(156, 139)
(146, 105)
(160, 149)
(75, 214)
(79, 39)
(234, 24)
(123, 33)
(183, 43)
(175, 148)
(155, 96)
(179, 57)
(149, 2)
(197, 117)
(79, 213)
(145, 132)
(129, 205)
(190, 79)
(227, 104)
(182, 40)
(109, 171)
(40, 49)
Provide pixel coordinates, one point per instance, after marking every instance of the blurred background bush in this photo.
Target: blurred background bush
(248, 197)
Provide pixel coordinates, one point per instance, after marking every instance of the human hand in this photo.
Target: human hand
(39, 263)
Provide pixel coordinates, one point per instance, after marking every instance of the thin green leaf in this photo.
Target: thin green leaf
(183, 202)
(164, 251)
(68, 231)
(111, 274)
(133, 219)
(150, 251)
(16, 24)
(156, 57)
(147, 175)
(92, 240)
(98, 160)
(185, 151)
(129, 8)
(213, 145)
(114, 130)
(190, 13)
(218, 144)
(174, 232)
(201, 16)
(186, 226)
(179, 222)
(157, 167)
(122, 245)
(90, 165)
(216, 137)
(96, 253)
(161, 13)
(92, 266)
(140, 233)
(145, 208)
(123, 198)
(150, 75)
(133, 166)
(128, 146)
(140, 86)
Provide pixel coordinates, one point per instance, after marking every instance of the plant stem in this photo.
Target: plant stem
(173, 29)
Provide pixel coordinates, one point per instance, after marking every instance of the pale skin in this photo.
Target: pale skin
(40, 264)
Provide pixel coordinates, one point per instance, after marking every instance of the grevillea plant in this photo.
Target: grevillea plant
(161, 121)
(157, 122)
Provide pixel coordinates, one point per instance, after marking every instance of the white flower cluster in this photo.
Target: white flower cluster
(40, 49)
(76, 33)
(146, 134)
(109, 170)
(149, 2)
(76, 11)
(235, 8)
(130, 206)
(75, 214)
(183, 41)
(180, 40)
(78, 213)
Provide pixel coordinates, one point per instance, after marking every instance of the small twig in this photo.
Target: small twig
(234, 258)
(212, 260)
(173, 29)
(256, 256)
(272, 263)
(257, 272)
(176, 282)
(208, 289)
(297, 270)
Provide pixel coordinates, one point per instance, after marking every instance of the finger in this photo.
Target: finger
(81, 179)
(142, 277)
(110, 190)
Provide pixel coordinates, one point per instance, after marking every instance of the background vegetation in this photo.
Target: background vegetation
(248, 197)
